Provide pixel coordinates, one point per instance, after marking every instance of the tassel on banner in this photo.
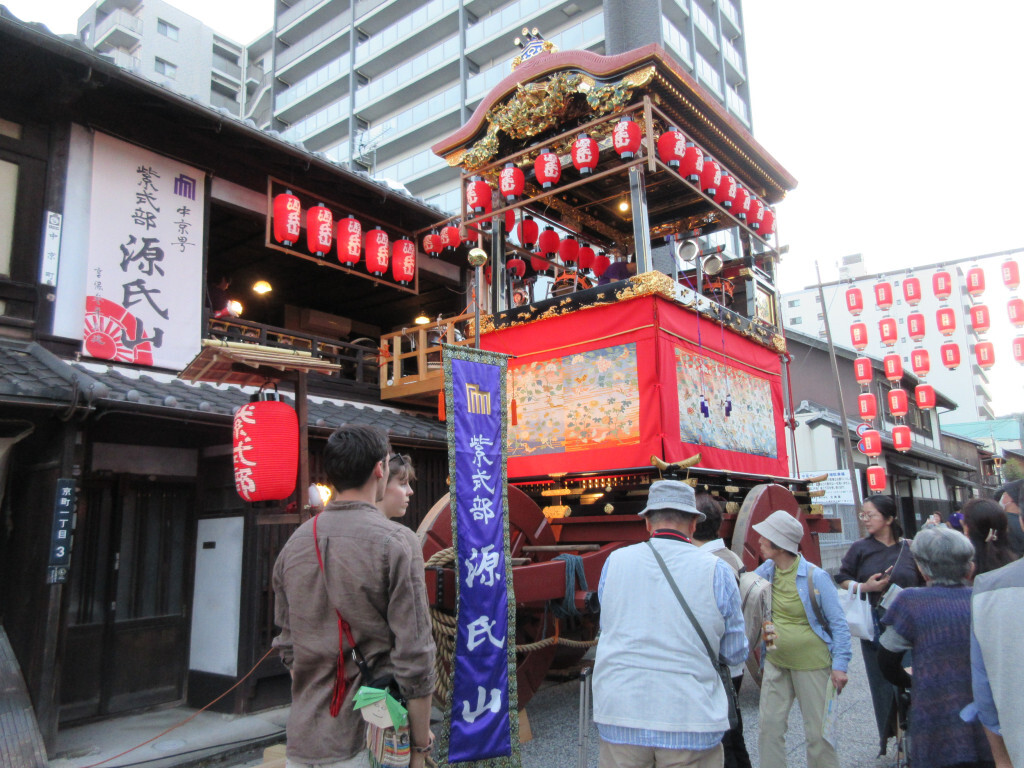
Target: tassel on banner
(513, 417)
(440, 406)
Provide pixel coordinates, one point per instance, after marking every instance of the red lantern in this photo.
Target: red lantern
(1018, 349)
(377, 252)
(916, 326)
(901, 439)
(319, 230)
(767, 222)
(671, 147)
(1011, 274)
(710, 176)
(975, 281)
(695, 165)
(985, 354)
(755, 213)
(924, 394)
(725, 192)
(350, 241)
(586, 256)
(528, 231)
(548, 168)
(287, 218)
(516, 267)
(539, 265)
(741, 205)
(920, 362)
(601, 264)
(1015, 309)
(266, 450)
(871, 443)
(403, 261)
(912, 291)
(510, 182)
(854, 301)
(568, 250)
(945, 319)
(867, 406)
(888, 331)
(585, 154)
(626, 138)
(950, 354)
(478, 196)
(876, 478)
(898, 402)
(892, 366)
(980, 320)
(883, 295)
(510, 221)
(548, 242)
(432, 244)
(859, 336)
(862, 371)
(942, 285)
(450, 238)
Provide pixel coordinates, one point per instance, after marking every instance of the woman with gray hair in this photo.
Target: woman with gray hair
(934, 622)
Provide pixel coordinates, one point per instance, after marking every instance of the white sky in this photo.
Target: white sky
(901, 120)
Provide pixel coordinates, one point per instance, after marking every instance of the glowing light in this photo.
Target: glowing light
(261, 287)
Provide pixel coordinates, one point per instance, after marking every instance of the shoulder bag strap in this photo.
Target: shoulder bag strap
(816, 599)
(686, 608)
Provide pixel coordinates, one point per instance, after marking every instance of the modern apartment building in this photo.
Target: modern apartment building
(166, 45)
(376, 83)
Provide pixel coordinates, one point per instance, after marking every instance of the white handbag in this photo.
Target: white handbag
(858, 612)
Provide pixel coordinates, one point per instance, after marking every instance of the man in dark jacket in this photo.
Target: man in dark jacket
(1008, 497)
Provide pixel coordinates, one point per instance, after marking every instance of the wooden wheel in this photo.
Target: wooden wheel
(759, 503)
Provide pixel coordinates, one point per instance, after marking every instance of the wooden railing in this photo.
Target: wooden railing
(411, 365)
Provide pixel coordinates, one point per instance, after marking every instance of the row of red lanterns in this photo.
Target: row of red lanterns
(942, 287)
(892, 367)
(945, 320)
(321, 235)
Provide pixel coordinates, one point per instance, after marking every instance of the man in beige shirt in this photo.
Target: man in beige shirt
(373, 576)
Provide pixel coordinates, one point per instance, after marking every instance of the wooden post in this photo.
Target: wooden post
(302, 411)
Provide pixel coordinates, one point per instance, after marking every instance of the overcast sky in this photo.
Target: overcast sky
(901, 120)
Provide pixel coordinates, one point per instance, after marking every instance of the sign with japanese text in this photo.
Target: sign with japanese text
(836, 486)
(61, 532)
(144, 290)
(51, 249)
(482, 709)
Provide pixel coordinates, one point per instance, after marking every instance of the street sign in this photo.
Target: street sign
(61, 533)
(862, 428)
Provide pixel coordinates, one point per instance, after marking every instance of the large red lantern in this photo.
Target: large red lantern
(854, 301)
(892, 366)
(767, 222)
(920, 362)
(547, 167)
(672, 147)
(862, 370)
(432, 244)
(942, 285)
(266, 450)
(377, 252)
(350, 241)
(859, 336)
(755, 213)
(1011, 274)
(725, 193)
(510, 221)
(985, 354)
(586, 256)
(916, 326)
(901, 439)
(695, 165)
(871, 443)
(924, 395)
(539, 265)
(950, 355)
(510, 182)
(601, 264)
(975, 281)
(528, 231)
(1015, 310)
(888, 331)
(883, 295)
(319, 230)
(898, 405)
(450, 238)
(945, 319)
(403, 261)
(710, 176)
(741, 205)
(876, 478)
(626, 138)
(548, 242)
(287, 218)
(585, 154)
(912, 291)
(516, 266)
(980, 320)
(1018, 349)
(478, 196)
(867, 406)
(568, 250)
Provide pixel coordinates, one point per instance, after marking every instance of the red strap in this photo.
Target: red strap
(344, 633)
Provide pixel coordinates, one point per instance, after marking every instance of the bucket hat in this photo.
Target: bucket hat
(782, 529)
(672, 494)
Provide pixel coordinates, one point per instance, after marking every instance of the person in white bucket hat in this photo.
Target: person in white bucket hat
(811, 644)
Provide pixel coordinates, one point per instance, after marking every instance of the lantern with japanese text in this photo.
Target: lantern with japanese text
(432, 244)
(319, 230)
(710, 176)
(985, 354)
(528, 231)
(741, 205)
(548, 242)
(1015, 310)
(916, 326)
(942, 285)
(945, 319)
(725, 192)
(478, 196)
(975, 281)
(920, 362)
(892, 366)
(350, 241)
(854, 301)
(1018, 349)
(862, 371)
(450, 238)
(601, 264)
(888, 331)
(950, 355)
(511, 182)
(377, 252)
(876, 478)
(980, 320)
(585, 154)
(265, 450)
(767, 222)
(1011, 274)
(924, 396)
(871, 443)
(626, 138)
(912, 291)
(755, 213)
(859, 336)
(883, 295)
(672, 147)
(287, 218)
(901, 439)
(898, 405)
(867, 406)
(695, 165)
(403, 261)
(516, 267)
(586, 256)
(568, 250)
(547, 167)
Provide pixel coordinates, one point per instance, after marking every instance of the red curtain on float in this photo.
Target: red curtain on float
(266, 450)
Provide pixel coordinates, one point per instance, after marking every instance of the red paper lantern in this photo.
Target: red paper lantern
(755, 213)
(266, 450)
(892, 366)
(876, 478)
(883, 295)
(975, 281)
(601, 264)
(924, 395)
(854, 301)
(942, 285)
(985, 354)
(862, 370)
(945, 319)
(920, 362)
(725, 193)
(539, 265)
(898, 405)
(585, 154)
(710, 176)
(767, 222)
(980, 319)
(377, 252)
(403, 261)
(287, 218)
(672, 147)
(859, 336)
(510, 182)
(528, 231)
(1018, 349)
(950, 354)
(888, 331)
(626, 138)
(901, 439)
(510, 221)
(547, 167)
(912, 291)
(871, 443)
(319, 230)
(1015, 310)
(516, 266)
(478, 196)
(568, 250)
(1011, 274)
(916, 326)
(548, 242)
(741, 205)
(350, 241)
(450, 237)
(586, 256)
(867, 406)
(695, 165)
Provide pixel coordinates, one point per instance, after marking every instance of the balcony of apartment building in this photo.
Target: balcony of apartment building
(731, 26)
(296, 55)
(492, 34)
(300, 18)
(320, 87)
(225, 60)
(224, 96)
(323, 128)
(675, 41)
(109, 6)
(426, 72)
(436, 116)
(124, 60)
(420, 171)
(425, 28)
(119, 29)
(706, 35)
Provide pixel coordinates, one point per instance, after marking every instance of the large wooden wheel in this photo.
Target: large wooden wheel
(759, 503)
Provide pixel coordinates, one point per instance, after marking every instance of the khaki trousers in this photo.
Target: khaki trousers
(778, 689)
(630, 756)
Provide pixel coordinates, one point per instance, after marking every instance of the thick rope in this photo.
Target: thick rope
(573, 575)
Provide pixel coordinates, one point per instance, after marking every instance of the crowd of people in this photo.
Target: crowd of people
(947, 607)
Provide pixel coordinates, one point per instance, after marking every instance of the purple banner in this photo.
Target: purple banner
(480, 727)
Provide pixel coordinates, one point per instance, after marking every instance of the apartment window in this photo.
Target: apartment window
(85, 34)
(794, 303)
(167, 30)
(797, 321)
(165, 68)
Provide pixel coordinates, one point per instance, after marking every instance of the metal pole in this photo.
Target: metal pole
(583, 739)
(839, 391)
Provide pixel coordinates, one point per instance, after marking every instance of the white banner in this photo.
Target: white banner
(144, 292)
(837, 487)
